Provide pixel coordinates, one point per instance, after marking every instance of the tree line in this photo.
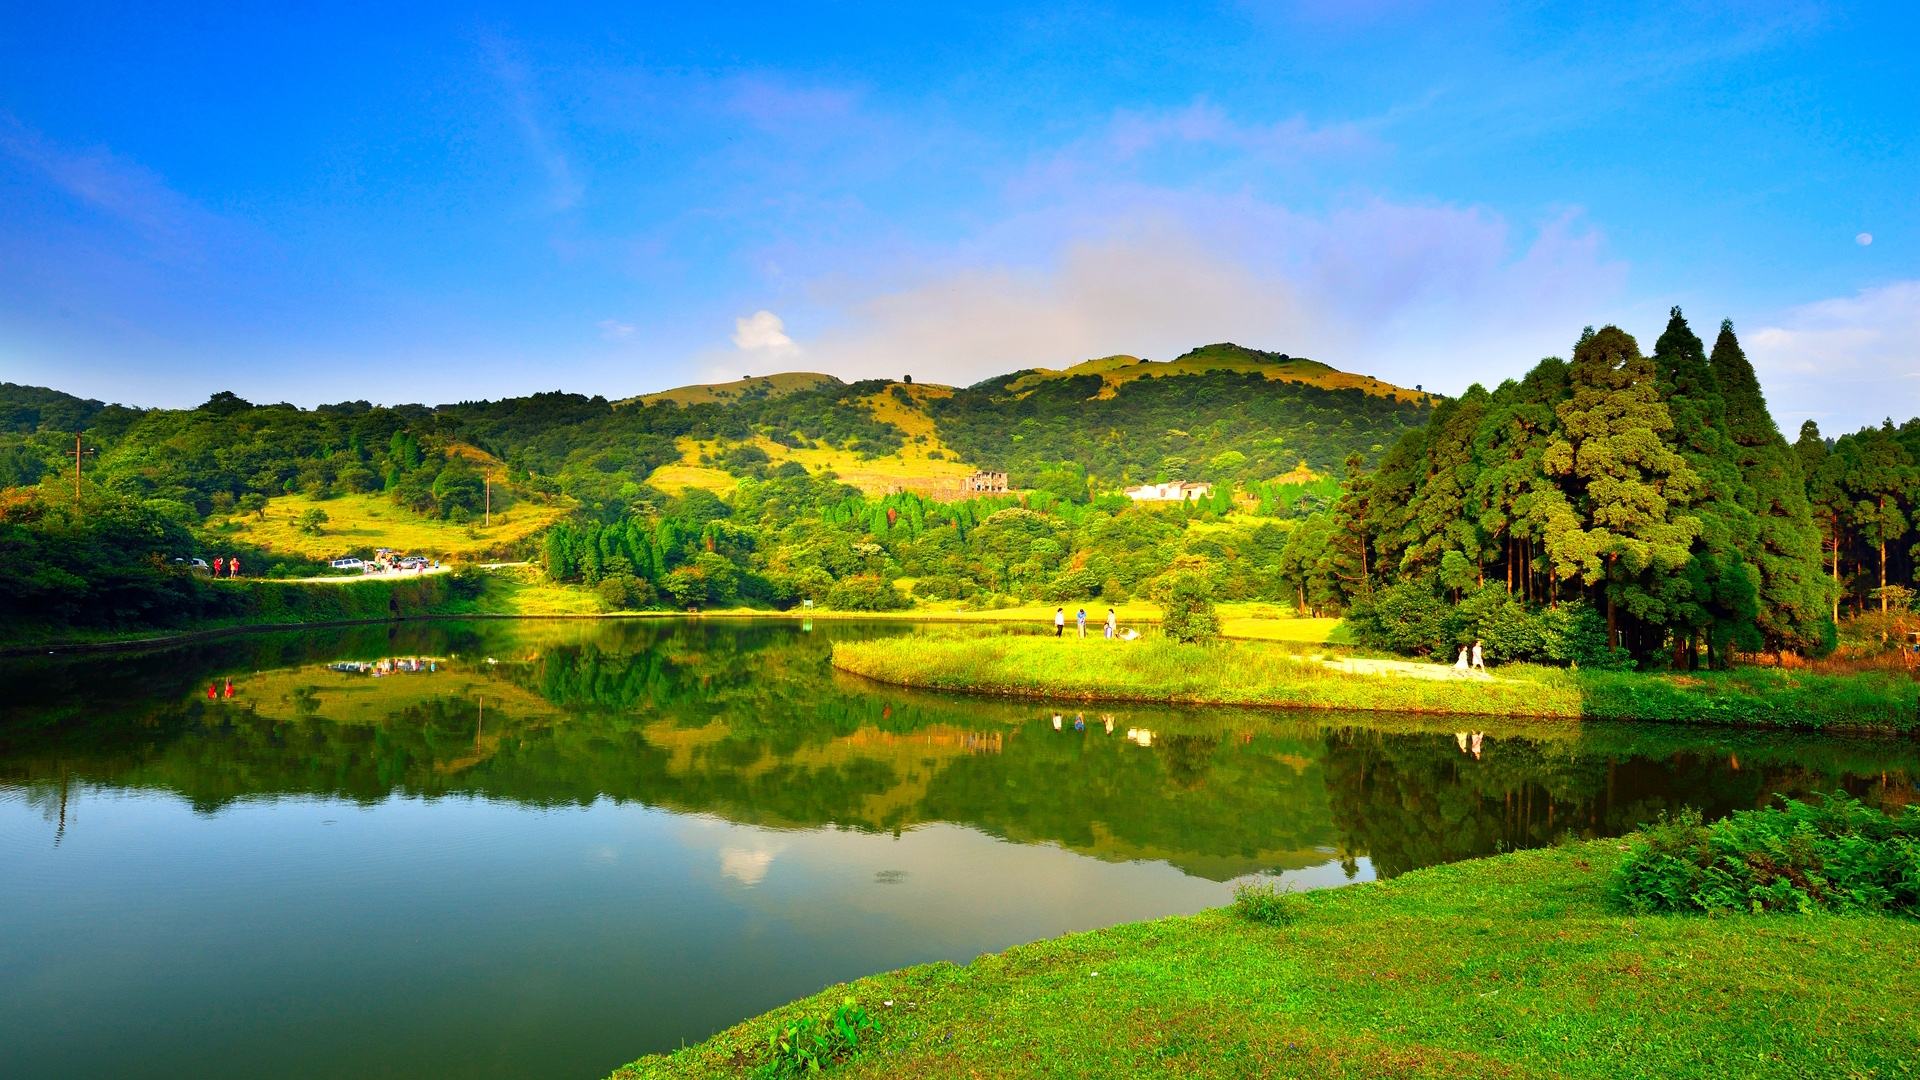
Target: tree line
(1647, 498)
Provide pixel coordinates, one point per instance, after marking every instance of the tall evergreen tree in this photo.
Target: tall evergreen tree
(1623, 520)
(1718, 593)
(1792, 593)
(1878, 478)
(1440, 518)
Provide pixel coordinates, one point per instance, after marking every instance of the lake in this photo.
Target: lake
(544, 848)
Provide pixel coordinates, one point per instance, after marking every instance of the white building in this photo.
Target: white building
(1173, 491)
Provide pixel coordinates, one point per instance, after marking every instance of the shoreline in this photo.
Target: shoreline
(1414, 975)
(1246, 673)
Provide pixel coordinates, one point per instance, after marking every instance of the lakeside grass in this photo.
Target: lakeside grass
(1283, 675)
(1511, 966)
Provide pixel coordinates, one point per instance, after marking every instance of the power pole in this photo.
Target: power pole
(78, 455)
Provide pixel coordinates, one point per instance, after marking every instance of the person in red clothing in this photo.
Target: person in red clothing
(229, 687)
(233, 567)
(218, 564)
(213, 692)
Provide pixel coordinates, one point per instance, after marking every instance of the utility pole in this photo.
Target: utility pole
(78, 455)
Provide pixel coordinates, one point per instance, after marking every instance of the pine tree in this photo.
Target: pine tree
(1792, 594)
(1440, 518)
(1347, 558)
(1717, 593)
(1621, 519)
(1879, 475)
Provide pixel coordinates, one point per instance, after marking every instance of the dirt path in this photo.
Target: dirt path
(1406, 668)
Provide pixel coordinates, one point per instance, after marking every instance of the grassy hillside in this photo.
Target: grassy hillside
(1116, 371)
(373, 521)
(750, 387)
(1028, 420)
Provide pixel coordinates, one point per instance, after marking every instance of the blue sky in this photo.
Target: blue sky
(440, 204)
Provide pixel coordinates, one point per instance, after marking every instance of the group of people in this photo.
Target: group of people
(1080, 619)
(1472, 658)
(226, 566)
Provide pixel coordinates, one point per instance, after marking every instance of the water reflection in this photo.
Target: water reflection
(637, 832)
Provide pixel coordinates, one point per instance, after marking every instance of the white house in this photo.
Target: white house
(1173, 491)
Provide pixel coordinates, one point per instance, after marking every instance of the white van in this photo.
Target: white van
(348, 564)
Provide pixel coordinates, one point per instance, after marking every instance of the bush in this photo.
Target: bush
(1266, 903)
(865, 593)
(805, 1046)
(1834, 854)
(623, 592)
(1186, 601)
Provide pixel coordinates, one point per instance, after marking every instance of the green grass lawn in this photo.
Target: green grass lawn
(1513, 966)
(1290, 675)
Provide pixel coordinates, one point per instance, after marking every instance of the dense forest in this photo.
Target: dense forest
(1619, 506)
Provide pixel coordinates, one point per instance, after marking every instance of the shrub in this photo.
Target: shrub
(1186, 602)
(866, 592)
(1266, 903)
(1833, 854)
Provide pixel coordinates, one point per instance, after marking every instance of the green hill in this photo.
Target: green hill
(1223, 413)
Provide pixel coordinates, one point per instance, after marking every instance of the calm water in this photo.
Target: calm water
(560, 845)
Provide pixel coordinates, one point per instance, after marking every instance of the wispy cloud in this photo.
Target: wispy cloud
(615, 330)
(564, 189)
(1839, 358)
(122, 191)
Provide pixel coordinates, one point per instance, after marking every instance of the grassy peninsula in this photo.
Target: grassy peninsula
(1513, 966)
(1273, 674)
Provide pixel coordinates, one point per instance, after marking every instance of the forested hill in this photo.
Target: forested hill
(1223, 413)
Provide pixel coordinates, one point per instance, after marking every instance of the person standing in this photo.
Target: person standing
(1081, 619)
(1059, 621)
(1479, 658)
(1460, 665)
(1113, 624)
(233, 566)
(219, 564)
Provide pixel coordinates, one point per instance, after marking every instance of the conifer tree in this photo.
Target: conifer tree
(1792, 594)
(1717, 595)
(1439, 517)
(1622, 520)
(1878, 477)
(1347, 560)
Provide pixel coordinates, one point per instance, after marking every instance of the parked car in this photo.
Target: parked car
(198, 566)
(410, 562)
(348, 564)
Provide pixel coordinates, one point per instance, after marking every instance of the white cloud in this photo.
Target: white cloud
(748, 866)
(1845, 362)
(1432, 294)
(615, 330)
(1864, 239)
(762, 332)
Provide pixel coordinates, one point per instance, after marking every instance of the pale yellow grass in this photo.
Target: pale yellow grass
(776, 385)
(911, 469)
(373, 521)
(1116, 371)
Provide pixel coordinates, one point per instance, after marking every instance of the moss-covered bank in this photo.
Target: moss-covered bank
(1513, 966)
(1261, 673)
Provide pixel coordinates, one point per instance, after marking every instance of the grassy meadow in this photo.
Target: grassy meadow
(1511, 966)
(1286, 674)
